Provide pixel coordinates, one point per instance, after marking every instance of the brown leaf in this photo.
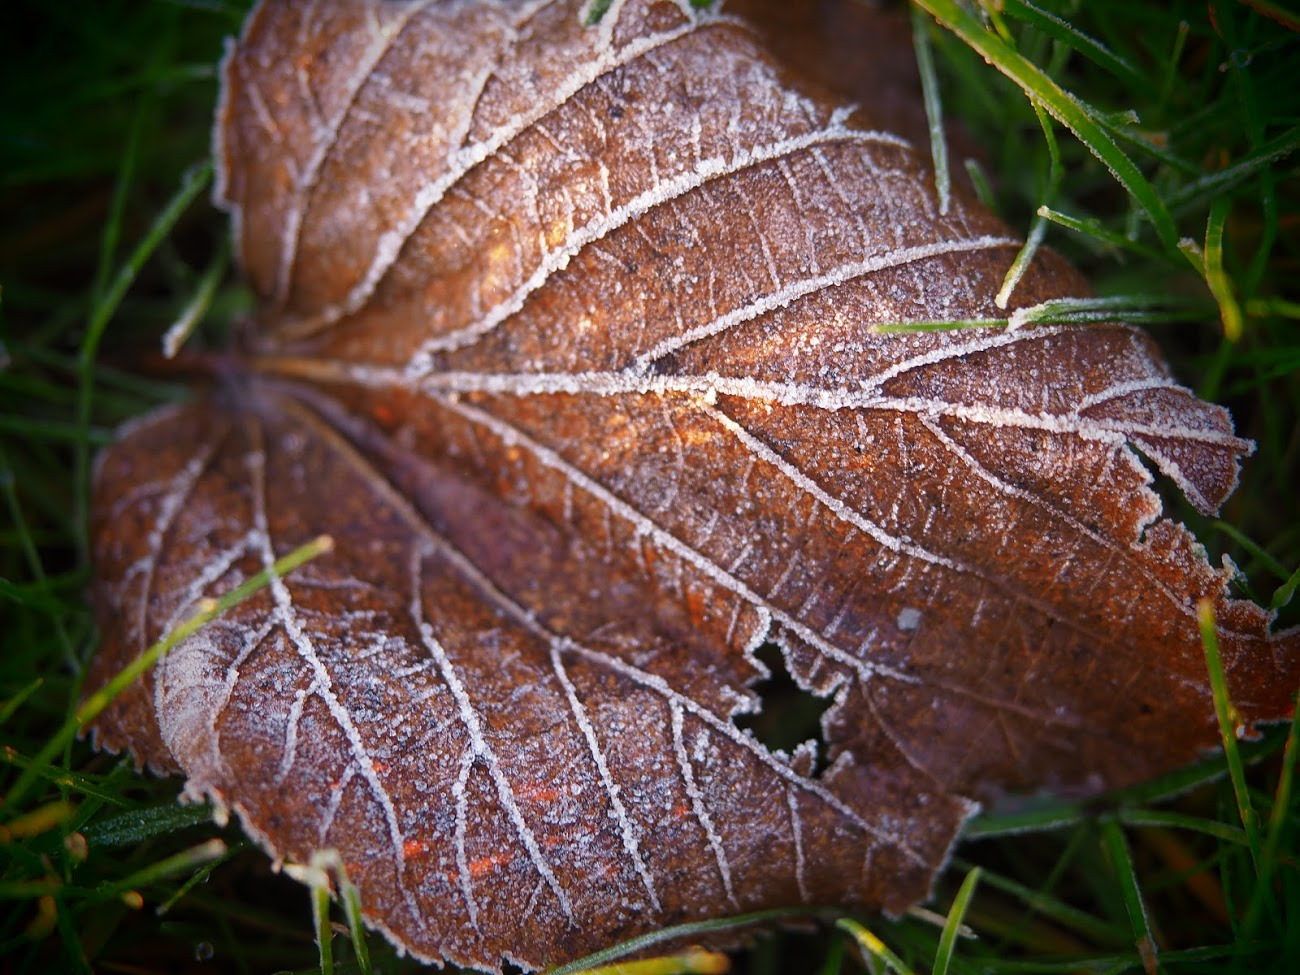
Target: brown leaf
(569, 342)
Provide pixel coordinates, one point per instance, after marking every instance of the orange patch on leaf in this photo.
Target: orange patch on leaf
(485, 865)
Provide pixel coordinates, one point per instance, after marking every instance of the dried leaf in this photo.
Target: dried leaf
(569, 342)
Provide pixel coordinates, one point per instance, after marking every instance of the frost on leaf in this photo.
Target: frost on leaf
(568, 339)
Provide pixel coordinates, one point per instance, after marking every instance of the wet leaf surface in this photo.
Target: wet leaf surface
(569, 340)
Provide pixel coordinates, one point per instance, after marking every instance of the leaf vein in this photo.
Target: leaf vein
(326, 138)
(698, 806)
(288, 619)
(471, 155)
(478, 741)
(627, 830)
(663, 191)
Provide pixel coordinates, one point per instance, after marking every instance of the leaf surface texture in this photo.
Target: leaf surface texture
(569, 339)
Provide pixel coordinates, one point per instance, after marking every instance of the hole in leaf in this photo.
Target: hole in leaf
(788, 715)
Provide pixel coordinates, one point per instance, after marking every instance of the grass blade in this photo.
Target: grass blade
(139, 825)
(320, 916)
(196, 856)
(951, 928)
(1042, 903)
(1039, 228)
(96, 703)
(8, 707)
(316, 876)
(679, 932)
(8, 486)
(199, 876)
(933, 110)
(1210, 263)
(39, 820)
(873, 946)
(1215, 184)
(1116, 848)
(1284, 593)
(930, 325)
(1092, 228)
(1061, 30)
(1176, 820)
(694, 961)
(194, 182)
(1061, 105)
(1228, 723)
(198, 305)
(1278, 826)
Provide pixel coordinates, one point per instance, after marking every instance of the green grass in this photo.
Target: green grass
(1167, 173)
